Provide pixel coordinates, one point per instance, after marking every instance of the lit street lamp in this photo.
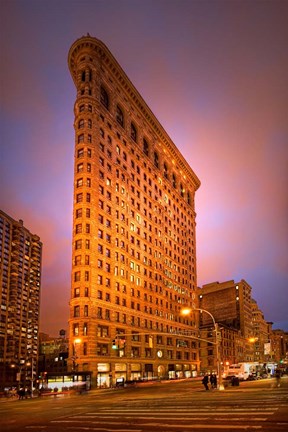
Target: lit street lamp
(187, 311)
(23, 366)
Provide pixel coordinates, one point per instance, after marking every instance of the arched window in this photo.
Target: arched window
(165, 171)
(104, 98)
(174, 184)
(119, 116)
(133, 132)
(81, 124)
(145, 147)
(83, 75)
(156, 159)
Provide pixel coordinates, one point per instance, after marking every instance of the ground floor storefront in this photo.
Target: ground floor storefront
(114, 374)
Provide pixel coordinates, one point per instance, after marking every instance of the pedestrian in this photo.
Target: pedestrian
(21, 393)
(213, 381)
(205, 381)
(278, 377)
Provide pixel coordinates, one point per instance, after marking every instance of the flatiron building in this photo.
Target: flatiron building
(134, 245)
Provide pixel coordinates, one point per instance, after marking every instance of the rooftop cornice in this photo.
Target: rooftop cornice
(122, 79)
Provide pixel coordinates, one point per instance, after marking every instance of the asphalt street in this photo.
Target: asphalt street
(177, 406)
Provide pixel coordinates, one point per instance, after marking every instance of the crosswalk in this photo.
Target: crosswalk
(215, 413)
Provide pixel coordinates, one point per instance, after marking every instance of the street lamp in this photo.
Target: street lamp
(187, 311)
(31, 363)
(24, 366)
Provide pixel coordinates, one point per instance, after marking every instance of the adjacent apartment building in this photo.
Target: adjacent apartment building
(134, 246)
(242, 325)
(20, 283)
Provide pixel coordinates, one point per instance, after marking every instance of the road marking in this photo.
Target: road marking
(101, 428)
(182, 410)
(160, 413)
(201, 426)
(183, 419)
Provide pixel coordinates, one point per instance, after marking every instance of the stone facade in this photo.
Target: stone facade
(134, 246)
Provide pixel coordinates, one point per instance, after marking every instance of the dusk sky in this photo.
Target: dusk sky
(214, 73)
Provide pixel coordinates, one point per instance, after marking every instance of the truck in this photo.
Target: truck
(241, 370)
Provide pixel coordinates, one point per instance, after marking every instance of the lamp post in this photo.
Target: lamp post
(18, 367)
(31, 363)
(187, 311)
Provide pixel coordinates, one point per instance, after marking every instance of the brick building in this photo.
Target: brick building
(230, 303)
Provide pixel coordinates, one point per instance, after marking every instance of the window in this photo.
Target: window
(79, 213)
(119, 116)
(85, 310)
(78, 244)
(156, 160)
(80, 153)
(77, 260)
(80, 167)
(165, 171)
(85, 329)
(145, 147)
(76, 329)
(76, 311)
(104, 98)
(79, 182)
(174, 180)
(81, 138)
(81, 124)
(133, 132)
(79, 197)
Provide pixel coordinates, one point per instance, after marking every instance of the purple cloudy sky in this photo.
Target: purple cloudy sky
(214, 73)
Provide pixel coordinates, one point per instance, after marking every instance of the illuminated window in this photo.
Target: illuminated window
(76, 311)
(80, 153)
(78, 244)
(80, 167)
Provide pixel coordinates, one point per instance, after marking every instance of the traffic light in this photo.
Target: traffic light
(115, 344)
(150, 343)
